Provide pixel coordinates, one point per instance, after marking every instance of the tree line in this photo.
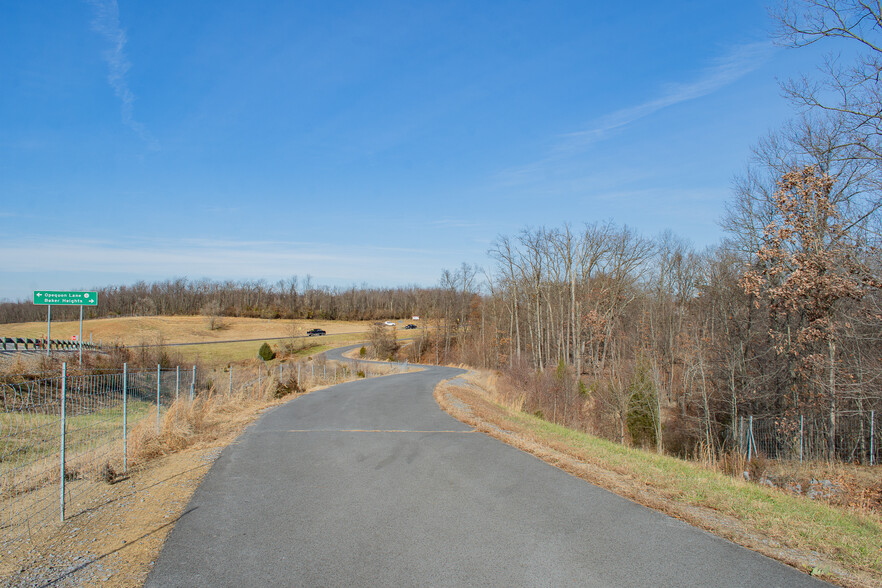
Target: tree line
(652, 341)
(292, 298)
(648, 339)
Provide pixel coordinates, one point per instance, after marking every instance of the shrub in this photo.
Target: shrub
(362, 352)
(641, 406)
(266, 352)
(291, 387)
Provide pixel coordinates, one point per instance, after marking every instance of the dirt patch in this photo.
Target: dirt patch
(464, 401)
(115, 540)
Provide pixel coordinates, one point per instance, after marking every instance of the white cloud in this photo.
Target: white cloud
(735, 64)
(106, 23)
(219, 259)
(738, 62)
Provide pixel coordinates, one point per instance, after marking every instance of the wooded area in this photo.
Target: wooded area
(650, 340)
(293, 298)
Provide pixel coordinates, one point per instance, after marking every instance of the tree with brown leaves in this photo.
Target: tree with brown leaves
(807, 267)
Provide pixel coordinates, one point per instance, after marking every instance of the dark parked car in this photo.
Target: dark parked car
(312, 332)
(410, 327)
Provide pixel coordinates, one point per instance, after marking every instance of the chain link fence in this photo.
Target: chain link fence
(63, 438)
(855, 438)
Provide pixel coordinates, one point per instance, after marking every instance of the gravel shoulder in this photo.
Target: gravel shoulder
(116, 540)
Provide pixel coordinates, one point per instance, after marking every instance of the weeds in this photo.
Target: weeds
(292, 386)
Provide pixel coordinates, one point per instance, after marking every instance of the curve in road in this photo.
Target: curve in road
(370, 483)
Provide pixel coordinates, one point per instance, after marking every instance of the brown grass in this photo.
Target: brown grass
(210, 419)
(179, 329)
(842, 544)
(125, 518)
(29, 493)
(217, 417)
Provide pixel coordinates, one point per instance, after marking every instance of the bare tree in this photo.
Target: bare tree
(852, 90)
(212, 313)
(819, 141)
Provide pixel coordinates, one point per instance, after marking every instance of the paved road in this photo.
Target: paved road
(369, 483)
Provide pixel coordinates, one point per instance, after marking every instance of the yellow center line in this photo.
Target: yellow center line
(370, 431)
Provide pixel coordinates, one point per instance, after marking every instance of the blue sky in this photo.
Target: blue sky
(363, 142)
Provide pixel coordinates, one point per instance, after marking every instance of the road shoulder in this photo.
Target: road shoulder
(465, 401)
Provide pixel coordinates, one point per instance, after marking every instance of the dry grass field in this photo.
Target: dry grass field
(179, 329)
(190, 339)
(116, 526)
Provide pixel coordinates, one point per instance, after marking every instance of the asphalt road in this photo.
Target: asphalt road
(369, 483)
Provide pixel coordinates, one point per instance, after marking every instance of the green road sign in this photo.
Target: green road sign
(66, 298)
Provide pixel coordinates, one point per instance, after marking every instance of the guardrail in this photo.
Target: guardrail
(38, 344)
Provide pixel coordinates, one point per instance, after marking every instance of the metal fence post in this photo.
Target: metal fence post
(158, 390)
(193, 384)
(80, 340)
(872, 437)
(177, 382)
(230, 386)
(125, 417)
(750, 447)
(801, 435)
(298, 374)
(741, 436)
(63, 431)
(258, 379)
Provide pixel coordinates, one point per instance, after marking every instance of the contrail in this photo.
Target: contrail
(106, 23)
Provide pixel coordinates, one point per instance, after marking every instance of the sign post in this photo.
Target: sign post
(80, 338)
(64, 298)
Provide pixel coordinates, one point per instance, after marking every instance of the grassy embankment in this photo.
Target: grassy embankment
(186, 430)
(191, 339)
(841, 543)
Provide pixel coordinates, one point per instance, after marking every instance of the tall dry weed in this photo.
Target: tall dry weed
(183, 425)
(210, 416)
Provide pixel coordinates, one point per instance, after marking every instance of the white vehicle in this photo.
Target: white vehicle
(389, 324)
